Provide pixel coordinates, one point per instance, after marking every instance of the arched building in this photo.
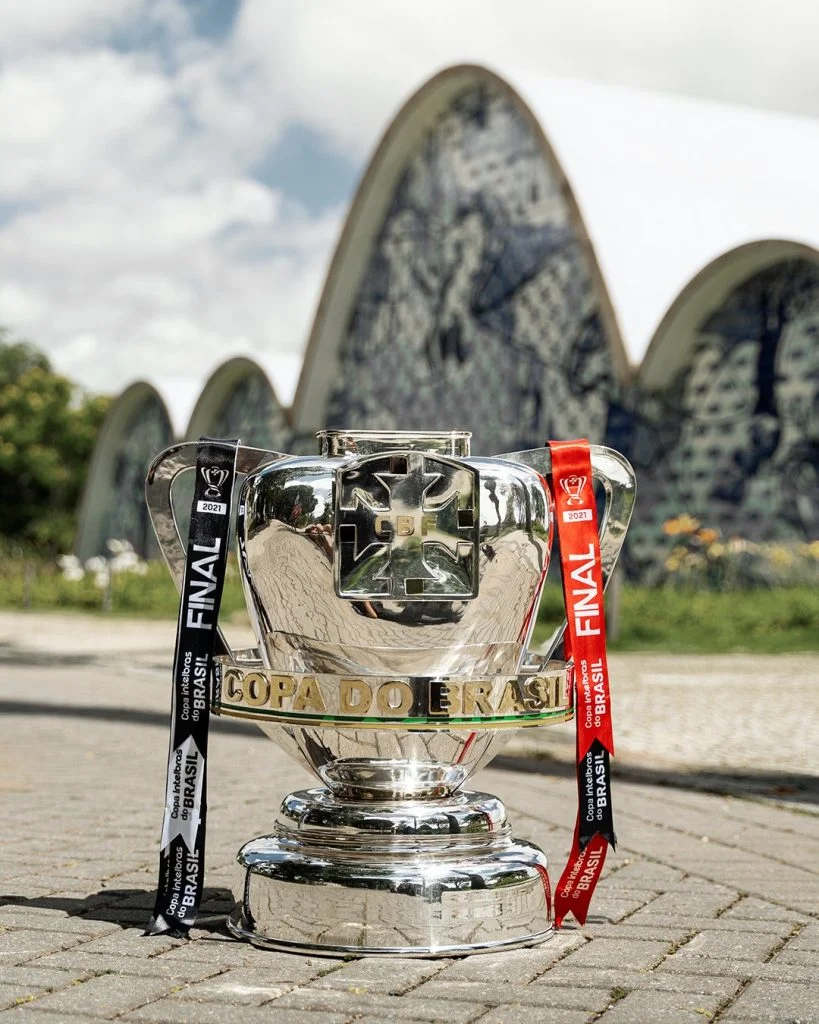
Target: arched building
(465, 292)
(138, 425)
(726, 404)
(239, 400)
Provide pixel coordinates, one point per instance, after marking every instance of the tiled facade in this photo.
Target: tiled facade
(734, 439)
(477, 310)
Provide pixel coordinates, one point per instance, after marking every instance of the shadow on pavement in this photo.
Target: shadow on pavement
(109, 713)
(12, 655)
(128, 908)
(785, 787)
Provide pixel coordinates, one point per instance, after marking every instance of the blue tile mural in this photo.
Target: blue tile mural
(476, 310)
(126, 515)
(252, 413)
(734, 440)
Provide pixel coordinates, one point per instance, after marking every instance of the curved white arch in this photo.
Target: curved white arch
(207, 415)
(673, 341)
(123, 422)
(727, 404)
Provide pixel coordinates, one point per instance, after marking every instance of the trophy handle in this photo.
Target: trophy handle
(619, 482)
(166, 467)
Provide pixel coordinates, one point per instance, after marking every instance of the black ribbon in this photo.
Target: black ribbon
(594, 792)
(182, 853)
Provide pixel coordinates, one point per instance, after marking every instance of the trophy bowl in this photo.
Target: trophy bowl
(393, 584)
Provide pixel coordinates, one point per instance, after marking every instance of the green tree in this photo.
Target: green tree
(48, 428)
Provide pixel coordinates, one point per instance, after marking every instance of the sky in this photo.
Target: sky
(174, 173)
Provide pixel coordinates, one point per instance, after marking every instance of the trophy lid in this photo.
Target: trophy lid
(454, 443)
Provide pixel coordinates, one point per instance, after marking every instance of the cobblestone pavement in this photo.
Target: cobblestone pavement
(709, 910)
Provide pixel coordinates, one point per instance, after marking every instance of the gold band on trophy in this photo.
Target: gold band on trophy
(393, 701)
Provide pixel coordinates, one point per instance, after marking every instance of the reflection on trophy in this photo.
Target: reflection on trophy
(393, 585)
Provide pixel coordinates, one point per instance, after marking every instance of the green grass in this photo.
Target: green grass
(679, 621)
(150, 596)
(760, 621)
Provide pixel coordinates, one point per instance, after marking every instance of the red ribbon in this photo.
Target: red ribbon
(585, 641)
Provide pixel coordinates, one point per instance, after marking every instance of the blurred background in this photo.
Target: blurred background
(531, 219)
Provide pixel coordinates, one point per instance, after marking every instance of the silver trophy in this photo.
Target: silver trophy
(393, 584)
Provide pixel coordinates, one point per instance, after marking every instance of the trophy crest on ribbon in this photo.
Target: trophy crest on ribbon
(393, 584)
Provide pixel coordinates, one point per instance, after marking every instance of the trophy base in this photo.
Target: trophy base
(427, 878)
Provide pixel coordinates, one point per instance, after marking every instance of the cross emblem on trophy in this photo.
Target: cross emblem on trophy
(406, 528)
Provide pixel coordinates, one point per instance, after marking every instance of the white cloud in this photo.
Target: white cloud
(77, 122)
(169, 284)
(137, 240)
(36, 23)
(344, 67)
(135, 226)
(20, 304)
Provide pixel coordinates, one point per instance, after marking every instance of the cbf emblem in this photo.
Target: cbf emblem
(215, 479)
(573, 486)
(407, 528)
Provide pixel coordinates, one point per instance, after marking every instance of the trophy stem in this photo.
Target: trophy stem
(423, 878)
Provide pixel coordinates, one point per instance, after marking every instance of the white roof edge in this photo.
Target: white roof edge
(179, 395)
(668, 183)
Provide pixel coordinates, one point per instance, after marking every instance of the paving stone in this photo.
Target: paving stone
(391, 1007)
(642, 874)
(806, 957)
(41, 977)
(611, 890)
(176, 1011)
(646, 1005)
(699, 924)
(121, 917)
(55, 923)
(283, 966)
(690, 901)
(106, 996)
(621, 953)
(20, 944)
(614, 908)
(73, 920)
(378, 1019)
(512, 1014)
(75, 901)
(613, 977)
(750, 908)
(241, 986)
(730, 945)
(776, 1003)
(702, 984)
(808, 938)
(26, 1012)
(131, 943)
(744, 970)
(111, 963)
(10, 995)
(670, 934)
(491, 994)
(517, 967)
(393, 976)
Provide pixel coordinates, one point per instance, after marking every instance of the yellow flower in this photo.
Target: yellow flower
(688, 524)
(708, 536)
(672, 564)
(671, 527)
(716, 550)
(780, 556)
(814, 548)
